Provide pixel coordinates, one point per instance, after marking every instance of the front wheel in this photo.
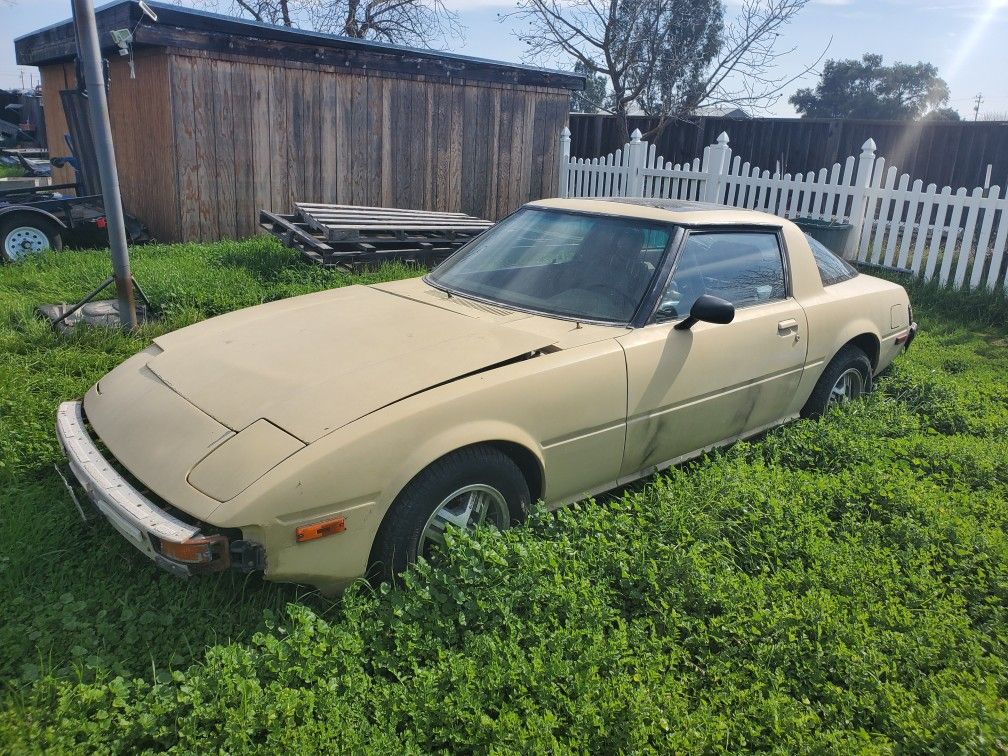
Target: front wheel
(847, 377)
(466, 489)
(21, 235)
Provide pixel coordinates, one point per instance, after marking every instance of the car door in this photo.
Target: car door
(690, 389)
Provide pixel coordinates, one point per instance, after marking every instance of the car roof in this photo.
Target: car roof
(667, 210)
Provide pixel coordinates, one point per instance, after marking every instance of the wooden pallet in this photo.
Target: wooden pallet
(348, 223)
(349, 236)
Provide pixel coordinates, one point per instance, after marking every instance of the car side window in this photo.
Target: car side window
(832, 269)
(744, 267)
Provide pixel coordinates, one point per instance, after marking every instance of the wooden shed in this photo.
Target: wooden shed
(227, 116)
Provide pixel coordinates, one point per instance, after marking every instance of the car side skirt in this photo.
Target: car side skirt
(652, 469)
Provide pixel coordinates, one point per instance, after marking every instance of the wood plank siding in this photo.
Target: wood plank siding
(227, 116)
(143, 131)
(205, 140)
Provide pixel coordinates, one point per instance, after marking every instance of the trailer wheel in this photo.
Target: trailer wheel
(24, 233)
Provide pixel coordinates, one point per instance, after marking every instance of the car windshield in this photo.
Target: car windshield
(575, 265)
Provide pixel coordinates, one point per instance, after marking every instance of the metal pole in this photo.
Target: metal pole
(91, 62)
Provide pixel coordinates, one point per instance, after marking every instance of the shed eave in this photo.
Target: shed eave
(180, 27)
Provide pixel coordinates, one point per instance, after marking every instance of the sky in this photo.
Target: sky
(965, 39)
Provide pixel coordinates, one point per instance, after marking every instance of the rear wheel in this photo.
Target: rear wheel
(470, 488)
(22, 234)
(847, 377)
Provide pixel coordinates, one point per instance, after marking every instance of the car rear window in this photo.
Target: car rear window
(832, 269)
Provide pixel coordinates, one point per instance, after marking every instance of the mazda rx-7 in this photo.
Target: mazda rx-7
(575, 346)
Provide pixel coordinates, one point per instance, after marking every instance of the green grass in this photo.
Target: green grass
(836, 585)
(69, 595)
(11, 171)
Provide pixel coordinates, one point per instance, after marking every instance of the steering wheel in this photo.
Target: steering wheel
(676, 293)
(615, 296)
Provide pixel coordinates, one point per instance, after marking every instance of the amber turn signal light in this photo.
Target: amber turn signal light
(193, 551)
(320, 529)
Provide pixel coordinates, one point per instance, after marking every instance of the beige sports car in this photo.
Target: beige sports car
(575, 346)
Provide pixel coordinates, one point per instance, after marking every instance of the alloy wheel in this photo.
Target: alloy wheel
(850, 385)
(466, 508)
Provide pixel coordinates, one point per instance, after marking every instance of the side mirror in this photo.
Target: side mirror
(710, 310)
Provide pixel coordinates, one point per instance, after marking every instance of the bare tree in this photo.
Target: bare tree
(266, 11)
(421, 23)
(279, 12)
(413, 22)
(666, 57)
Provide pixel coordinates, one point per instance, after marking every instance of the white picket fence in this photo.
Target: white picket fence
(958, 237)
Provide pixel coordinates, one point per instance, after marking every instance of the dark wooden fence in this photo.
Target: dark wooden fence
(945, 153)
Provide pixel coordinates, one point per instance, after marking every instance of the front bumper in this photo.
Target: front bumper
(148, 527)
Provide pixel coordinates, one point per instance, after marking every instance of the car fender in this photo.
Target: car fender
(856, 327)
(27, 209)
(356, 472)
(332, 562)
(452, 439)
(349, 469)
(372, 458)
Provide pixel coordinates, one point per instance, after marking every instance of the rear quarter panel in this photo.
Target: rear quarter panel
(841, 312)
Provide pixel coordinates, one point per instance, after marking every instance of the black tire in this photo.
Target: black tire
(848, 358)
(10, 223)
(398, 542)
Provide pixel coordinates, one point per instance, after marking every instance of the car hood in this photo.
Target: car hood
(315, 363)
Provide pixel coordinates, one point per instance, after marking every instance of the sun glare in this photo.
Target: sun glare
(980, 27)
(961, 55)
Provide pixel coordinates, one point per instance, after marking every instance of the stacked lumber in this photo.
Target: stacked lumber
(351, 236)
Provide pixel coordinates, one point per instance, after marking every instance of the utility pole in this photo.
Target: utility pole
(91, 64)
(976, 107)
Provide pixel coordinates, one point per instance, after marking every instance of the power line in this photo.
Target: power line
(976, 108)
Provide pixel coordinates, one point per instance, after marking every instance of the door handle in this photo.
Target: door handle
(786, 327)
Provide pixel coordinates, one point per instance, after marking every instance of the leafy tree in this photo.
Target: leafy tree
(593, 98)
(942, 114)
(867, 89)
(667, 57)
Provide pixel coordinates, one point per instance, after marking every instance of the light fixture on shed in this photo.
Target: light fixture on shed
(124, 37)
(148, 11)
(124, 41)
